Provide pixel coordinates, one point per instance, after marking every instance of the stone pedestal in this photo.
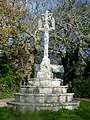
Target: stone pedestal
(45, 69)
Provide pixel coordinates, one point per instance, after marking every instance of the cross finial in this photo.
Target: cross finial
(46, 20)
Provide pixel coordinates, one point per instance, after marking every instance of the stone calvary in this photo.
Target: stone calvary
(44, 91)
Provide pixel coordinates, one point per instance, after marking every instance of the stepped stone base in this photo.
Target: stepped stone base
(44, 94)
(44, 106)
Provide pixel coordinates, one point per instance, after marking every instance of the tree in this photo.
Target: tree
(71, 38)
(19, 37)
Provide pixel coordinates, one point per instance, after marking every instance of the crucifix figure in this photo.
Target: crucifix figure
(46, 23)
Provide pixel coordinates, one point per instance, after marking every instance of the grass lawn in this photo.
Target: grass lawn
(82, 113)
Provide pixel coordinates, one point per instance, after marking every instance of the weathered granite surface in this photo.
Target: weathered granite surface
(43, 94)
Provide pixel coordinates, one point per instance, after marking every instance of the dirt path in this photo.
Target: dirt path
(3, 101)
(83, 99)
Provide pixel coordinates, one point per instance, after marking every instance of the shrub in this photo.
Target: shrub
(7, 80)
(82, 88)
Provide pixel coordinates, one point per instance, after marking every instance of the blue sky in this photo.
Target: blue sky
(48, 4)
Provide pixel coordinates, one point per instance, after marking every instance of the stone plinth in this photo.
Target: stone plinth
(45, 69)
(46, 82)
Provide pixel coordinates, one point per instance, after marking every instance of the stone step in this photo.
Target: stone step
(45, 89)
(44, 106)
(46, 82)
(44, 98)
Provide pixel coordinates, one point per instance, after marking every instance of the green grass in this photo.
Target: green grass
(82, 113)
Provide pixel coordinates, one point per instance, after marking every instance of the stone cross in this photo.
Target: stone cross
(46, 23)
